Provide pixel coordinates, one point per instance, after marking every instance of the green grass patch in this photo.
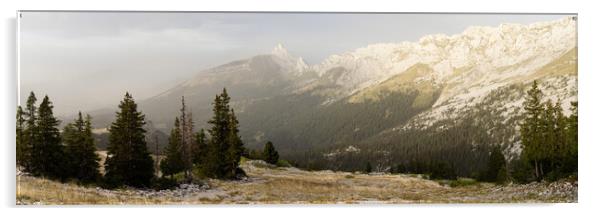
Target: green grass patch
(283, 163)
(463, 182)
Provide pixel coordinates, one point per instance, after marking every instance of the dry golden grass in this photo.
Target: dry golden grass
(270, 185)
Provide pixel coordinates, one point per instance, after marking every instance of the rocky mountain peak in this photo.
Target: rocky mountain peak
(280, 51)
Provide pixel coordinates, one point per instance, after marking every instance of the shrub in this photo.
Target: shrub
(521, 171)
(442, 170)
(283, 163)
(163, 183)
(461, 182)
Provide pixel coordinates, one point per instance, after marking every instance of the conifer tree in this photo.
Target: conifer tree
(561, 148)
(47, 152)
(29, 132)
(21, 150)
(200, 149)
(270, 155)
(235, 146)
(187, 138)
(224, 146)
(502, 175)
(368, 168)
(80, 150)
(174, 161)
(572, 139)
(549, 144)
(531, 129)
(128, 159)
(215, 164)
(496, 167)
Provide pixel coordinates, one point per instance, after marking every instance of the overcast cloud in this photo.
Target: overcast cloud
(86, 61)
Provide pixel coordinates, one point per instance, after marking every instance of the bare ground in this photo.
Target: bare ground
(273, 185)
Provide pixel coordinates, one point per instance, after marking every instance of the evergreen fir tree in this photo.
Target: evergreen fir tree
(531, 129)
(400, 168)
(47, 158)
(549, 144)
(174, 161)
(29, 132)
(496, 166)
(235, 147)
(21, 150)
(502, 175)
(128, 159)
(521, 170)
(570, 162)
(215, 164)
(187, 138)
(224, 146)
(200, 149)
(368, 168)
(561, 148)
(270, 155)
(80, 150)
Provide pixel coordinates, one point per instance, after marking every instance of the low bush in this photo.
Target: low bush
(461, 182)
(163, 183)
(283, 163)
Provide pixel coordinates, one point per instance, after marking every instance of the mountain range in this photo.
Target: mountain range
(387, 102)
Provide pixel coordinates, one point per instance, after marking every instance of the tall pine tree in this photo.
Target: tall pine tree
(235, 147)
(559, 136)
(572, 140)
(224, 146)
(496, 167)
(21, 150)
(531, 129)
(81, 150)
(174, 160)
(187, 139)
(47, 158)
(200, 148)
(29, 132)
(270, 155)
(215, 164)
(128, 159)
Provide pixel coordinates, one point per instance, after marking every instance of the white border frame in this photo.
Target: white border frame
(589, 88)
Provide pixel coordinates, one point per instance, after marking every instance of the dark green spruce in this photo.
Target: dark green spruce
(25, 145)
(270, 155)
(496, 167)
(174, 160)
(21, 150)
(128, 159)
(531, 129)
(235, 148)
(200, 149)
(549, 139)
(224, 145)
(80, 150)
(47, 153)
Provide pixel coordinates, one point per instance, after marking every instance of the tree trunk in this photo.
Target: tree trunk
(536, 171)
(541, 171)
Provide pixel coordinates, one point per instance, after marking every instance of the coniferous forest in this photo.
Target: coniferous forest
(70, 154)
(548, 139)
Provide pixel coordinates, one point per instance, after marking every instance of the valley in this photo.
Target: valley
(374, 96)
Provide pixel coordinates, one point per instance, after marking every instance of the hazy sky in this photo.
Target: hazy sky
(86, 61)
